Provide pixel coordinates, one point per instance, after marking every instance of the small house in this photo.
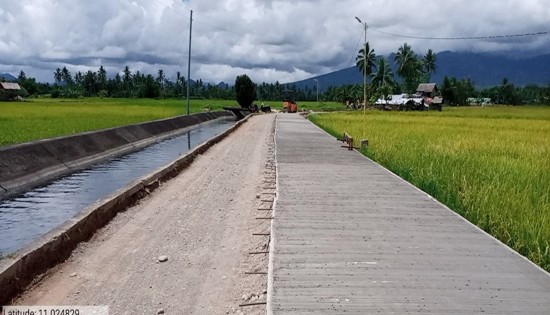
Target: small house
(429, 94)
(10, 91)
(426, 90)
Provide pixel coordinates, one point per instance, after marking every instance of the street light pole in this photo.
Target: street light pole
(317, 90)
(364, 67)
(189, 61)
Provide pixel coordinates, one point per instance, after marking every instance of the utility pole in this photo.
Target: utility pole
(364, 67)
(317, 90)
(189, 61)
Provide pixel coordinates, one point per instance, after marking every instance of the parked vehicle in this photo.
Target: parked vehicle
(289, 106)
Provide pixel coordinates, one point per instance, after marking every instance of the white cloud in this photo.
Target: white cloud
(270, 40)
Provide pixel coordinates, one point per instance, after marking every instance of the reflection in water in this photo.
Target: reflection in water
(27, 217)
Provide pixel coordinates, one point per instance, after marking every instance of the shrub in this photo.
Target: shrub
(246, 91)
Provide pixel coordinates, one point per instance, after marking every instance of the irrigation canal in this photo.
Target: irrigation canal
(27, 217)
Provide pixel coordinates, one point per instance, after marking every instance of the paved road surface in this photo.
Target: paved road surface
(349, 237)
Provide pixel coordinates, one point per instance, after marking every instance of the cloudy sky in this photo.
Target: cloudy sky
(270, 40)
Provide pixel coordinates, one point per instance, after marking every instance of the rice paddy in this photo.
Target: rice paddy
(46, 118)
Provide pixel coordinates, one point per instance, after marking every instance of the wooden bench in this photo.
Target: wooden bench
(348, 140)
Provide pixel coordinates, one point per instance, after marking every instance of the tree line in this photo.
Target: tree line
(411, 69)
(128, 84)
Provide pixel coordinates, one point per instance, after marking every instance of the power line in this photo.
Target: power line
(465, 37)
(354, 56)
(169, 6)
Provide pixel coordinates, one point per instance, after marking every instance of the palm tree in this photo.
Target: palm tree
(408, 66)
(383, 75)
(344, 93)
(382, 79)
(357, 92)
(428, 62)
(102, 78)
(127, 81)
(178, 83)
(66, 76)
(370, 58)
(161, 78)
(385, 90)
(78, 78)
(127, 75)
(58, 76)
(22, 77)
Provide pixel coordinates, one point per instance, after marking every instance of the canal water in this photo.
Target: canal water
(25, 218)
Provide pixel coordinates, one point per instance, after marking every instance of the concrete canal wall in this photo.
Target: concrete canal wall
(32, 164)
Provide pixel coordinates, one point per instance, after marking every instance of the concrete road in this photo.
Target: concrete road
(349, 237)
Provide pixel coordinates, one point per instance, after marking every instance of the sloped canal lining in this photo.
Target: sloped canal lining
(25, 218)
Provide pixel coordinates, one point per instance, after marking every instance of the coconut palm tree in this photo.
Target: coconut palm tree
(58, 76)
(408, 66)
(66, 76)
(102, 78)
(382, 79)
(344, 94)
(428, 62)
(365, 67)
(383, 74)
(385, 90)
(161, 79)
(127, 81)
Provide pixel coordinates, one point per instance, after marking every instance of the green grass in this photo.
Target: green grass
(46, 118)
(490, 165)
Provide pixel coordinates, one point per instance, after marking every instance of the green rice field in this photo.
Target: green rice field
(491, 165)
(46, 118)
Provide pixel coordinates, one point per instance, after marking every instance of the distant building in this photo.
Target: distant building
(426, 90)
(10, 91)
(480, 101)
(424, 98)
(398, 99)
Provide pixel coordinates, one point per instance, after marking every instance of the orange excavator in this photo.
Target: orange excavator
(289, 106)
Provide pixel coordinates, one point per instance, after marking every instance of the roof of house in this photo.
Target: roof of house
(398, 99)
(426, 87)
(10, 86)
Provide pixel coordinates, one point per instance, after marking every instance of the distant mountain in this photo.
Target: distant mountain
(483, 69)
(8, 77)
(489, 70)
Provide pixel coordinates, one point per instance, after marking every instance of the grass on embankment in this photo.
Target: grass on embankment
(490, 165)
